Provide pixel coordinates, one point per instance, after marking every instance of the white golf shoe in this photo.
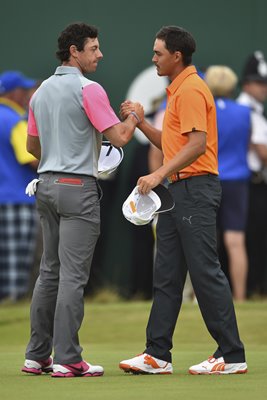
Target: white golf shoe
(217, 366)
(38, 367)
(146, 364)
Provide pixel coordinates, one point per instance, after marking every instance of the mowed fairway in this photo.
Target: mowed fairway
(112, 332)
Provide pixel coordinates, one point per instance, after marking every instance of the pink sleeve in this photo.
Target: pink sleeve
(98, 108)
(32, 128)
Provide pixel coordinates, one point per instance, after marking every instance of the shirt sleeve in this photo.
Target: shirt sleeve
(259, 129)
(193, 111)
(32, 127)
(18, 142)
(97, 107)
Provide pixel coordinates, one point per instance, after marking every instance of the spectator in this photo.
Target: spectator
(254, 93)
(18, 223)
(234, 127)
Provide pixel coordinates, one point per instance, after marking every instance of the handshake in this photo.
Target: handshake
(128, 107)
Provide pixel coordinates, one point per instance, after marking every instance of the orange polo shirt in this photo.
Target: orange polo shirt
(190, 107)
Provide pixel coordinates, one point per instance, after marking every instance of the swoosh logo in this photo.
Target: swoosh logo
(80, 369)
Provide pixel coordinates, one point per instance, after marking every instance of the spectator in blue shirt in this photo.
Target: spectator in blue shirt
(18, 221)
(234, 128)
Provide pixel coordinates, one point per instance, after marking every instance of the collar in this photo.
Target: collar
(14, 106)
(250, 101)
(191, 69)
(64, 69)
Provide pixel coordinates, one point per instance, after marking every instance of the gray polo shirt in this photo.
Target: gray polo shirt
(68, 112)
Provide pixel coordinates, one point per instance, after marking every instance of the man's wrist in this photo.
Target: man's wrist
(136, 116)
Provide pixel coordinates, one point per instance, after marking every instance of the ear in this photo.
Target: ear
(73, 50)
(178, 56)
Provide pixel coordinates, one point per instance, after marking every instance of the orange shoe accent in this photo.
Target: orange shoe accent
(195, 372)
(127, 368)
(218, 367)
(149, 360)
(243, 371)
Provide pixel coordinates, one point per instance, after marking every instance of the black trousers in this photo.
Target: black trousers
(186, 241)
(257, 239)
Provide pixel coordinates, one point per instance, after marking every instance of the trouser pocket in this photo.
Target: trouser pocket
(69, 195)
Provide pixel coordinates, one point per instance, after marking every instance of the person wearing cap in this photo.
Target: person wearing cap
(254, 94)
(68, 115)
(18, 220)
(234, 127)
(186, 235)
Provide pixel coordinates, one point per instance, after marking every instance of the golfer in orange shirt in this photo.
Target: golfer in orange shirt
(186, 235)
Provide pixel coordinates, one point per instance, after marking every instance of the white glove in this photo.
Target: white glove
(31, 187)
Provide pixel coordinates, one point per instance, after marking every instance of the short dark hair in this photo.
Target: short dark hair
(178, 39)
(74, 34)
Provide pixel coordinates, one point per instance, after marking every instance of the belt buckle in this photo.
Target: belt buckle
(173, 178)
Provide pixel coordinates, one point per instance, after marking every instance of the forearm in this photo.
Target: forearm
(195, 147)
(128, 127)
(37, 154)
(261, 151)
(119, 135)
(33, 146)
(186, 156)
(34, 164)
(153, 134)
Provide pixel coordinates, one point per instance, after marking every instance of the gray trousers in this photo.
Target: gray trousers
(69, 211)
(186, 241)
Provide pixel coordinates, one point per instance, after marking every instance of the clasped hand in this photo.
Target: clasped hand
(128, 106)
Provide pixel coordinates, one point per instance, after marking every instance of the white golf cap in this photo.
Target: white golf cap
(140, 209)
(109, 159)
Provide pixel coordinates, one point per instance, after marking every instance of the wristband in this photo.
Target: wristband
(136, 116)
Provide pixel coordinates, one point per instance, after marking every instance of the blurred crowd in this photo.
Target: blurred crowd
(242, 219)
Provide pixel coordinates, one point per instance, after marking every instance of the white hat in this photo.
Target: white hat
(109, 159)
(140, 209)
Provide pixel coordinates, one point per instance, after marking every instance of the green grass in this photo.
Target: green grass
(112, 332)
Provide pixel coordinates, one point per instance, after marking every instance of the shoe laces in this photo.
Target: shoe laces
(211, 359)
